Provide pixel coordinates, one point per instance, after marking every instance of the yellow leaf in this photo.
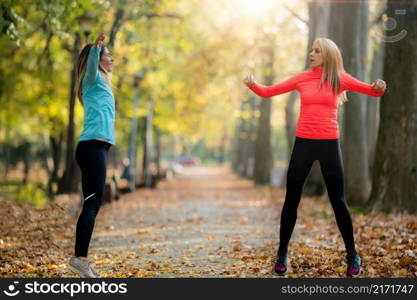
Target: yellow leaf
(304, 250)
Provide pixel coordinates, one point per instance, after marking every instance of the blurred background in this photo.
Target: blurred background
(180, 99)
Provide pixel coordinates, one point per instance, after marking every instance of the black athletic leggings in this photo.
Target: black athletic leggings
(304, 153)
(91, 156)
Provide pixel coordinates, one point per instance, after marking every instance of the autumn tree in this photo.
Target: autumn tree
(395, 169)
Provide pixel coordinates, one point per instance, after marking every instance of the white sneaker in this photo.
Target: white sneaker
(95, 272)
(82, 267)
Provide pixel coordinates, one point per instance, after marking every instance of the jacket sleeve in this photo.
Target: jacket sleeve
(276, 89)
(93, 61)
(350, 83)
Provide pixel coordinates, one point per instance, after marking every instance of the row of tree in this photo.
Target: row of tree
(178, 89)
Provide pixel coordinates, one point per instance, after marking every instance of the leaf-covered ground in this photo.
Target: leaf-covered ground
(205, 222)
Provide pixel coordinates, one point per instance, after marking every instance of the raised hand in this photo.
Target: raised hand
(379, 85)
(99, 41)
(249, 80)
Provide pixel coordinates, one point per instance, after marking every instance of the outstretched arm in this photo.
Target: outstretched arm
(273, 90)
(93, 60)
(350, 83)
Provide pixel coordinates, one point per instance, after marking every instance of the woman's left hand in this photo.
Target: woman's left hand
(99, 41)
(379, 85)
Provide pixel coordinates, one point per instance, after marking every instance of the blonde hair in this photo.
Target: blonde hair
(332, 67)
(82, 67)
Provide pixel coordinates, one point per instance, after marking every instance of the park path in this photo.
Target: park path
(205, 222)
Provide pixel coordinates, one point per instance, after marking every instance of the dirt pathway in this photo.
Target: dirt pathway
(205, 222)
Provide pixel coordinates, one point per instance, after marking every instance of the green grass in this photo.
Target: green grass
(358, 210)
(32, 193)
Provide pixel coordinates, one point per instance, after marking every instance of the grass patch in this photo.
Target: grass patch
(31, 193)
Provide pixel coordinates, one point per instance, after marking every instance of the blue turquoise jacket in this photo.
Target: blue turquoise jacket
(99, 104)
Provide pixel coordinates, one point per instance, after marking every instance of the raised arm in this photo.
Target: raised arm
(93, 60)
(273, 90)
(350, 83)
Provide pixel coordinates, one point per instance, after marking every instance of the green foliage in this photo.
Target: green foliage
(9, 21)
(32, 193)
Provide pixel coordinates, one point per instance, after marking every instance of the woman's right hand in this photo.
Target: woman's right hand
(249, 80)
(99, 41)
(379, 85)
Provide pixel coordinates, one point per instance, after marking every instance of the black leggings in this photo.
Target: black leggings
(91, 156)
(304, 153)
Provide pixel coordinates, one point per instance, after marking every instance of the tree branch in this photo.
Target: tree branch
(155, 15)
(377, 20)
(296, 15)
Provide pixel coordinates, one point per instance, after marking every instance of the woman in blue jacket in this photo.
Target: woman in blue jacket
(95, 93)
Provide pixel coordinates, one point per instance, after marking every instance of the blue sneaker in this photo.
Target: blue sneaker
(353, 265)
(281, 265)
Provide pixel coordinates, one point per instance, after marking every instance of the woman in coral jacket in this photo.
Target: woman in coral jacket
(323, 89)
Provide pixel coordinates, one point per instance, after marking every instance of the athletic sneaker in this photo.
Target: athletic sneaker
(353, 265)
(281, 265)
(95, 272)
(82, 267)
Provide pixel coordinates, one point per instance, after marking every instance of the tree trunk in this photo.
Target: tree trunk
(56, 150)
(249, 142)
(237, 149)
(263, 149)
(148, 151)
(56, 153)
(115, 28)
(350, 38)
(222, 147)
(25, 148)
(7, 147)
(117, 23)
(243, 152)
(71, 176)
(395, 170)
(133, 143)
(158, 152)
(373, 104)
